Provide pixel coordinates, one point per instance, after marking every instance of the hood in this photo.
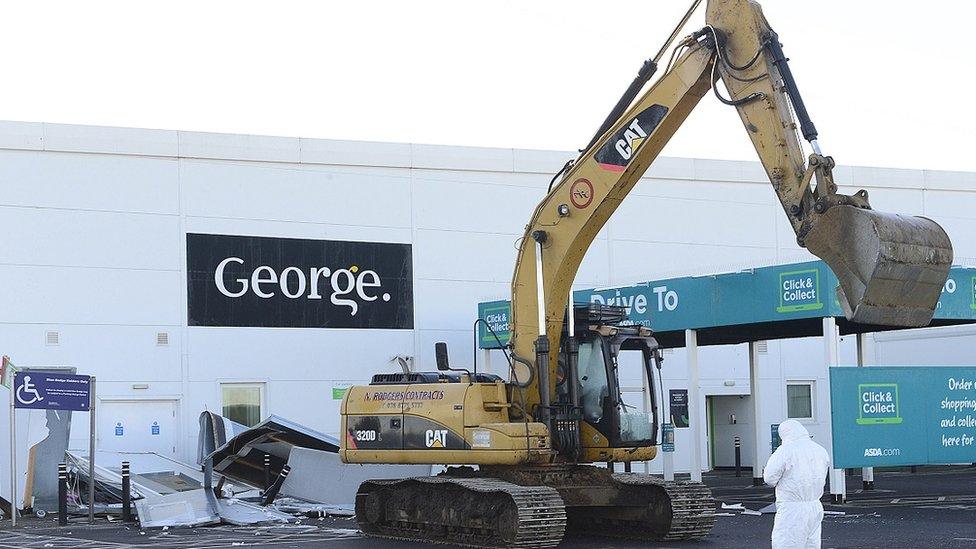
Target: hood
(792, 430)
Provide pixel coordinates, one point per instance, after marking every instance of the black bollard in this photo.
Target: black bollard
(126, 493)
(267, 472)
(626, 466)
(738, 457)
(62, 494)
(914, 469)
(272, 492)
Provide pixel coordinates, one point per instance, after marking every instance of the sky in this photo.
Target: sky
(888, 83)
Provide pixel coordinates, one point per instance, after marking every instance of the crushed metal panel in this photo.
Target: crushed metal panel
(242, 457)
(180, 509)
(152, 474)
(241, 513)
(215, 431)
(321, 477)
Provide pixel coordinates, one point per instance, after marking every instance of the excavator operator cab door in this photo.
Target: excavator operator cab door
(603, 407)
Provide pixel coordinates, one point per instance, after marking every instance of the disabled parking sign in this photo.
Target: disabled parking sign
(36, 390)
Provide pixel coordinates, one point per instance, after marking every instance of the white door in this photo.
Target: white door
(138, 426)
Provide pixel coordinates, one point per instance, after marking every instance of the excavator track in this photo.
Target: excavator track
(473, 512)
(599, 502)
(692, 512)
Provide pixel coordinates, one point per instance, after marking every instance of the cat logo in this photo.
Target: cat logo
(633, 137)
(436, 438)
(621, 147)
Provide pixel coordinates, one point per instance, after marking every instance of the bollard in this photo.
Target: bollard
(126, 493)
(738, 456)
(267, 472)
(272, 492)
(914, 469)
(626, 466)
(62, 494)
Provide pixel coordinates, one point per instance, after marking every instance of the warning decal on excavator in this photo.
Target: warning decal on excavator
(623, 144)
(581, 193)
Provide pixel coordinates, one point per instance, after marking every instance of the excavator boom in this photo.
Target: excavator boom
(891, 267)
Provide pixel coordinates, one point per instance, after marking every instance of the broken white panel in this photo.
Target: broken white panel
(179, 509)
(322, 477)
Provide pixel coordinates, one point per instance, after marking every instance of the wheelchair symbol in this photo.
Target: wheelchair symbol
(28, 388)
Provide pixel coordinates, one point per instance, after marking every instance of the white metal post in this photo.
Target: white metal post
(486, 358)
(759, 452)
(694, 401)
(91, 453)
(867, 473)
(13, 457)
(838, 484)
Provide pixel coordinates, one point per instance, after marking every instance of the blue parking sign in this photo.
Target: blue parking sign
(37, 390)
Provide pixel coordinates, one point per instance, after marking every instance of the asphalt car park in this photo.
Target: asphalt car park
(932, 508)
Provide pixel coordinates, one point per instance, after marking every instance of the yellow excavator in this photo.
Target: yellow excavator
(522, 449)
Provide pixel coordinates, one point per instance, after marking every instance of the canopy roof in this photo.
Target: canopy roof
(782, 301)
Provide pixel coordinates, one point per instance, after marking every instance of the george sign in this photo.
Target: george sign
(774, 440)
(679, 407)
(37, 390)
(339, 392)
(298, 283)
(667, 437)
(903, 416)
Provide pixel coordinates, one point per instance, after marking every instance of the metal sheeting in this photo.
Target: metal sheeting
(215, 430)
(242, 457)
(321, 477)
(179, 509)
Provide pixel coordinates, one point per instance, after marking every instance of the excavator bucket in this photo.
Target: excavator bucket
(891, 267)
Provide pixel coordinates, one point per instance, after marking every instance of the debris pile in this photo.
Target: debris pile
(274, 472)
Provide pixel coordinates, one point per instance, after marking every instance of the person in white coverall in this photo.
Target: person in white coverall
(798, 470)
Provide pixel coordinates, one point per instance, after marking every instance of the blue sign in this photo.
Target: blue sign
(155, 428)
(903, 416)
(38, 390)
(667, 437)
(764, 294)
(774, 439)
(119, 430)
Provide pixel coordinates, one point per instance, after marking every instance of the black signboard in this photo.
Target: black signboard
(298, 283)
(679, 408)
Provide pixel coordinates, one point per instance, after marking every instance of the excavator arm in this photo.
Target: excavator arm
(891, 268)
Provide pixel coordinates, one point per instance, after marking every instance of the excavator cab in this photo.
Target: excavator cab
(613, 427)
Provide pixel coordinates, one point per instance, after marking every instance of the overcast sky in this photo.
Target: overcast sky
(888, 83)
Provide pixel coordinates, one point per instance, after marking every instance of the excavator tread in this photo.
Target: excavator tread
(539, 514)
(692, 509)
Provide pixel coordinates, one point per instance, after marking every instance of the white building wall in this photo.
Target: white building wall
(93, 246)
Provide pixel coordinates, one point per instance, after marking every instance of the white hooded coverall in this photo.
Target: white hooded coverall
(798, 470)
